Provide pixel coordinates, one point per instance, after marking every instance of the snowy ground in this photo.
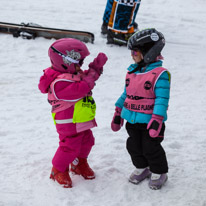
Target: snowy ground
(28, 139)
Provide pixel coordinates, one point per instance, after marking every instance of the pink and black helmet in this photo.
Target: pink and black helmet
(65, 53)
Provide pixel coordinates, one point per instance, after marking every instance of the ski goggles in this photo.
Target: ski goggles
(134, 53)
(66, 59)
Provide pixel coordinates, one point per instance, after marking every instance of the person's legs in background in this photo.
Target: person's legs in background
(119, 20)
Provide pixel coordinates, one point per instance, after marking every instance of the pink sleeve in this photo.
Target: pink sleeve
(46, 79)
(65, 90)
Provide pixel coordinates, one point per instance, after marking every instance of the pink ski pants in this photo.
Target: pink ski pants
(70, 147)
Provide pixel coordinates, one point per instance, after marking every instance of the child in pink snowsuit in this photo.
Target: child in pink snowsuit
(73, 108)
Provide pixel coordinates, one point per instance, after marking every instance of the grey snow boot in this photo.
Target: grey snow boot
(157, 181)
(139, 175)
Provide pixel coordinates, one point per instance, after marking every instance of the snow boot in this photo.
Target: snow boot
(117, 38)
(157, 181)
(80, 167)
(136, 28)
(139, 175)
(62, 178)
(104, 28)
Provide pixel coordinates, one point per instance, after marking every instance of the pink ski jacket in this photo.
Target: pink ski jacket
(64, 90)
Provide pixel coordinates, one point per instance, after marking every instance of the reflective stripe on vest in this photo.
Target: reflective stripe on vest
(61, 121)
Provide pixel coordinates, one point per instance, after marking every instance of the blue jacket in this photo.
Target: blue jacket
(162, 92)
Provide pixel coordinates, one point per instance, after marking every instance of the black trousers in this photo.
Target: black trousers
(144, 150)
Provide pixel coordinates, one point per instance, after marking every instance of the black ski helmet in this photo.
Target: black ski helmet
(149, 41)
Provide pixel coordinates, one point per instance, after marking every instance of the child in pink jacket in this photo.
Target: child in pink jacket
(73, 108)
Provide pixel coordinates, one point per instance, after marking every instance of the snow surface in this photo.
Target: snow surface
(28, 139)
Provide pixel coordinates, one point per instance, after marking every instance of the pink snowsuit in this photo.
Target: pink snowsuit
(76, 139)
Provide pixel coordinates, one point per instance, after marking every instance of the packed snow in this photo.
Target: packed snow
(28, 139)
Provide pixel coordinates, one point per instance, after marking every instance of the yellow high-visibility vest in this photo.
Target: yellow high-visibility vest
(84, 111)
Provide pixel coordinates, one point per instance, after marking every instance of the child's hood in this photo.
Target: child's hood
(46, 79)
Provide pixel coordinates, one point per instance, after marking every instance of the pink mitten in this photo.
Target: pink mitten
(155, 125)
(91, 77)
(117, 121)
(98, 63)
